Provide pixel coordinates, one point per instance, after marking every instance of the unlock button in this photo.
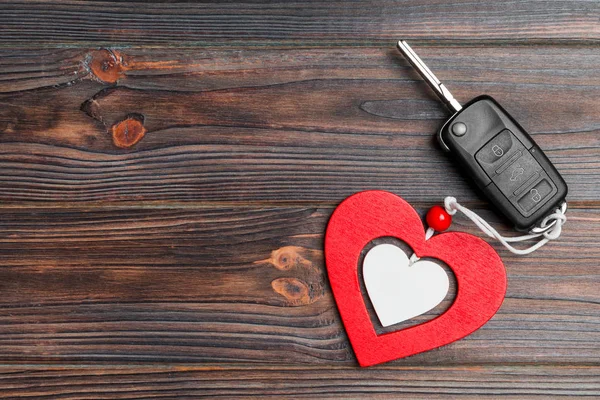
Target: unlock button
(537, 195)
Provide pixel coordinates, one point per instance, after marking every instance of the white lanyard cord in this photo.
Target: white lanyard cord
(451, 206)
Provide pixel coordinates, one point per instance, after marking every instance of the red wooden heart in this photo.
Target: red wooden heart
(480, 276)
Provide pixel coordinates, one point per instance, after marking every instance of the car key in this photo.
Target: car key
(498, 153)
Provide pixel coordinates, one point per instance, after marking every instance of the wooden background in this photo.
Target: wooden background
(167, 170)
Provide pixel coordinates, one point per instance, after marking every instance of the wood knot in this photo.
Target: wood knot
(294, 290)
(308, 286)
(287, 257)
(129, 131)
(106, 65)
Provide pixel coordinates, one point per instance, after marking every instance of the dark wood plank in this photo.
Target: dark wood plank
(249, 285)
(200, 69)
(299, 22)
(283, 125)
(163, 199)
(243, 382)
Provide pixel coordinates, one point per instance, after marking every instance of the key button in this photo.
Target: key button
(518, 173)
(536, 195)
(459, 129)
(501, 145)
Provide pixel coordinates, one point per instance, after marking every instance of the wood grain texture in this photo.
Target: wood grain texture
(167, 170)
(301, 22)
(243, 382)
(249, 126)
(249, 285)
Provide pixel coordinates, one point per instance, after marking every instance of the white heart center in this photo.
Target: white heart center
(398, 291)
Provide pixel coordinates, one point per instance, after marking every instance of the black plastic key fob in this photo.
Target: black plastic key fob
(504, 161)
(496, 151)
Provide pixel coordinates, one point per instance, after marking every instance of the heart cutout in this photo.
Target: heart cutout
(398, 289)
(479, 272)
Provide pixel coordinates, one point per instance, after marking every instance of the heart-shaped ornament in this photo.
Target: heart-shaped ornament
(398, 289)
(479, 272)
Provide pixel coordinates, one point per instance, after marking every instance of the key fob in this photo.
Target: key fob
(504, 161)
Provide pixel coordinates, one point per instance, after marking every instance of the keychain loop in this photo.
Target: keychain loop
(544, 226)
(551, 227)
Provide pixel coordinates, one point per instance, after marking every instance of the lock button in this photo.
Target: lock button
(501, 145)
(535, 196)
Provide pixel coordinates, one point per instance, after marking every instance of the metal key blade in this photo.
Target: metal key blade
(435, 84)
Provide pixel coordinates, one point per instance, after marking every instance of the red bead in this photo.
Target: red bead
(438, 219)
